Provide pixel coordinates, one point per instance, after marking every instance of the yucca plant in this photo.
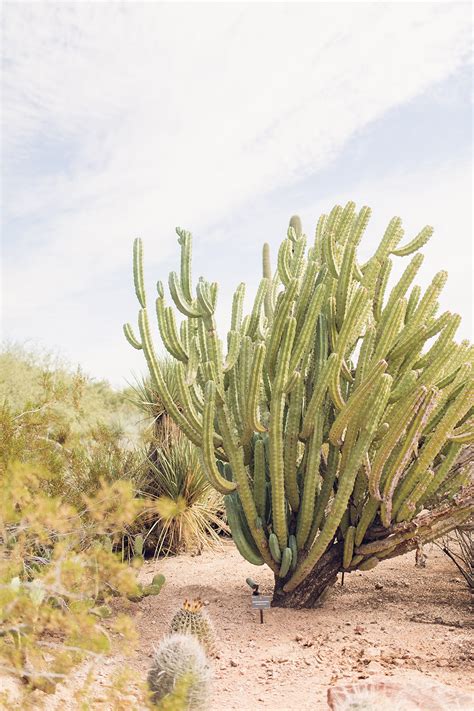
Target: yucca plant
(185, 511)
(333, 419)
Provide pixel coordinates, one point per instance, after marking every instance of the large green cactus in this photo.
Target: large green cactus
(328, 424)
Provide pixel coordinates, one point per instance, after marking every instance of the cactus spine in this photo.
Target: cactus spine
(328, 410)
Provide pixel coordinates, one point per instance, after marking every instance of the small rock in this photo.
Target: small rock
(378, 586)
(374, 666)
(373, 652)
(298, 638)
(233, 663)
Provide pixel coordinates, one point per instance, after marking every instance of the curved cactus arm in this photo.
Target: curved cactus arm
(416, 243)
(168, 332)
(257, 307)
(185, 399)
(284, 256)
(290, 448)
(252, 419)
(208, 457)
(280, 320)
(267, 273)
(130, 336)
(138, 272)
(345, 486)
(185, 242)
(181, 303)
(243, 543)
(276, 435)
(160, 383)
(233, 348)
(392, 236)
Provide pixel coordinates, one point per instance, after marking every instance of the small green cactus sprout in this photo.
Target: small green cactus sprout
(335, 414)
(156, 584)
(193, 619)
(178, 657)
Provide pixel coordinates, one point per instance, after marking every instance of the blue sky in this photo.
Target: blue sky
(127, 119)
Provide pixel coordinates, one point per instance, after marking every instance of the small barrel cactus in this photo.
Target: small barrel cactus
(193, 619)
(180, 656)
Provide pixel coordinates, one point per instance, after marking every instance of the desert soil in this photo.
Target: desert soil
(396, 620)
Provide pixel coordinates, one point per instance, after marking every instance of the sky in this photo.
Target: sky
(128, 119)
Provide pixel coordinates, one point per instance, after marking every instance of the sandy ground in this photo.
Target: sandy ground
(396, 620)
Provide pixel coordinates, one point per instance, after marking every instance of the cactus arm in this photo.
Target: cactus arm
(267, 273)
(259, 300)
(348, 547)
(180, 301)
(318, 238)
(185, 399)
(416, 243)
(413, 300)
(391, 238)
(130, 336)
(276, 435)
(185, 242)
(242, 543)
(380, 287)
(284, 262)
(286, 559)
(253, 423)
(280, 320)
(169, 335)
(233, 347)
(274, 547)
(303, 341)
(221, 484)
(290, 449)
(306, 509)
(259, 478)
(160, 384)
(329, 254)
(138, 272)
